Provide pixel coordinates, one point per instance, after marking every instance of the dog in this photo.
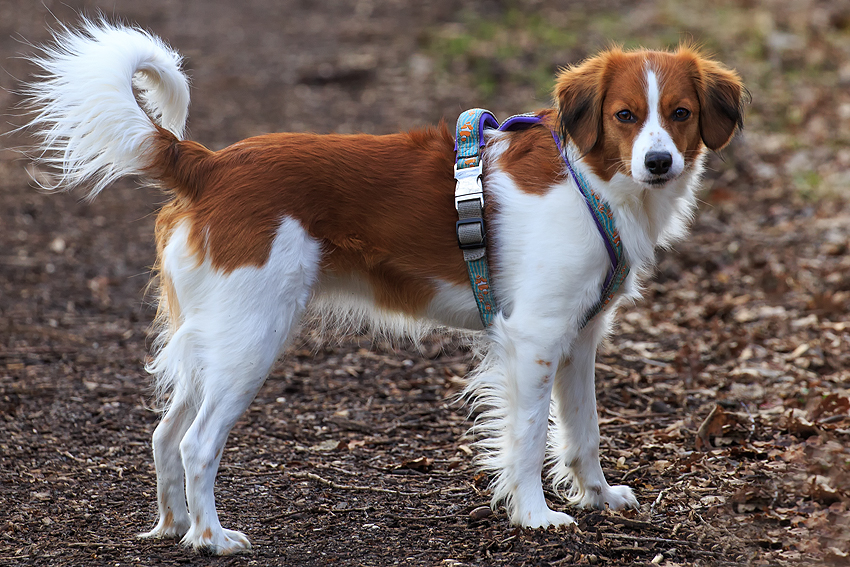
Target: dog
(363, 228)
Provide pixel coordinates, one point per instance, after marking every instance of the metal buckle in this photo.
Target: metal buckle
(469, 185)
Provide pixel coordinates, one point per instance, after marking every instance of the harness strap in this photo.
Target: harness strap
(469, 202)
(603, 217)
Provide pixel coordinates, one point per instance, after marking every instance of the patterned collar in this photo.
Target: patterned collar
(604, 219)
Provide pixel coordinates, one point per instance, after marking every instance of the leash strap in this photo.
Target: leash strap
(469, 202)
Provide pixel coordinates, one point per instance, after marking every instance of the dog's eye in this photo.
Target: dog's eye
(626, 116)
(681, 114)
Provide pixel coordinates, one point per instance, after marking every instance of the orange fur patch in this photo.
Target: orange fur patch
(532, 158)
(382, 206)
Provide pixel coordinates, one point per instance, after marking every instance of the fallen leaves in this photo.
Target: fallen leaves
(828, 406)
(711, 427)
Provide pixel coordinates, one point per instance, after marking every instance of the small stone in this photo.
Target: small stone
(57, 245)
(480, 513)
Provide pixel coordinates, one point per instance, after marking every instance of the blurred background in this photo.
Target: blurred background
(379, 66)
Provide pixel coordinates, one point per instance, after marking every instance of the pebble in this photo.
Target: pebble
(480, 513)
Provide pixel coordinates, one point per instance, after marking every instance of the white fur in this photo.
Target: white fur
(653, 137)
(549, 262)
(343, 305)
(92, 129)
(453, 306)
(232, 329)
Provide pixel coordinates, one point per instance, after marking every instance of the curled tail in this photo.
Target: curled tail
(94, 127)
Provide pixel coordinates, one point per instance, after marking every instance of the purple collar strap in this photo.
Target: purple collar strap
(603, 217)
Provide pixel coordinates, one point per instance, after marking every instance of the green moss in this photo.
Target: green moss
(809, 185)
(515, 49)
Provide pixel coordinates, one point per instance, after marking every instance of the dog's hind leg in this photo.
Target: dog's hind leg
(574, 445)
(171, 495)
(237, 323)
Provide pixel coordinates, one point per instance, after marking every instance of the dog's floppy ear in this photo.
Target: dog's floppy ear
(721, 97)
(578, 94)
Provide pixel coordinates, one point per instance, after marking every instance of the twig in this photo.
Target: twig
(70, 456)
(449, 490)
(337, 486)
(662, 540)
(645, 539)
(657, 500)
(634, 470)
(629, 523)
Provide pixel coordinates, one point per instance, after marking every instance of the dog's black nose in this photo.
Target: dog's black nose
(658, 163)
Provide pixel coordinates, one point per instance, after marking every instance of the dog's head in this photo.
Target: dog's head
(648, 115)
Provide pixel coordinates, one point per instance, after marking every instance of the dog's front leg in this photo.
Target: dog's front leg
(521, 372)
(575, 438)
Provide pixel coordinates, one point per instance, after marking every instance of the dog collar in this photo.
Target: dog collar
(469, 203)
(603, 217)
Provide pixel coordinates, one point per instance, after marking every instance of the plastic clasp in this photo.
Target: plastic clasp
(469, 186)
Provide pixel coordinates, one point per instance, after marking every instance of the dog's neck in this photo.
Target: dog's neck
(647, 218)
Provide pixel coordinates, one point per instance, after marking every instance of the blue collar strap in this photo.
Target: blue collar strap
(469, 202)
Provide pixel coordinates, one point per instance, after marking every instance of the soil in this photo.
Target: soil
(723, 395)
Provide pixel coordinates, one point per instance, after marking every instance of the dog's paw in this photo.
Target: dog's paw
(613, 497)
(621, 497)
(544, 519)
(219, 542)
(168, 528)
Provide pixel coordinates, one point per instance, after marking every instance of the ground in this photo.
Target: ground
(723, 395)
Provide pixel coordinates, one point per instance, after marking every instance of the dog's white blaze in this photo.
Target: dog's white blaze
(653, 137)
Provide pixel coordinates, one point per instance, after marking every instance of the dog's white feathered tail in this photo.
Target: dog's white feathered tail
(94, 127)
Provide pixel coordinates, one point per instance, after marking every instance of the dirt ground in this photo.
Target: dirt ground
(723, 396)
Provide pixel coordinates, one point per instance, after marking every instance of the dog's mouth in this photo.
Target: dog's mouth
(658, 181)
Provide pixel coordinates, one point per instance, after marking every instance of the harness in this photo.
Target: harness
(469, 202)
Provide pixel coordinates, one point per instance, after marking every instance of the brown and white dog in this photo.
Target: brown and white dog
(363, 227)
